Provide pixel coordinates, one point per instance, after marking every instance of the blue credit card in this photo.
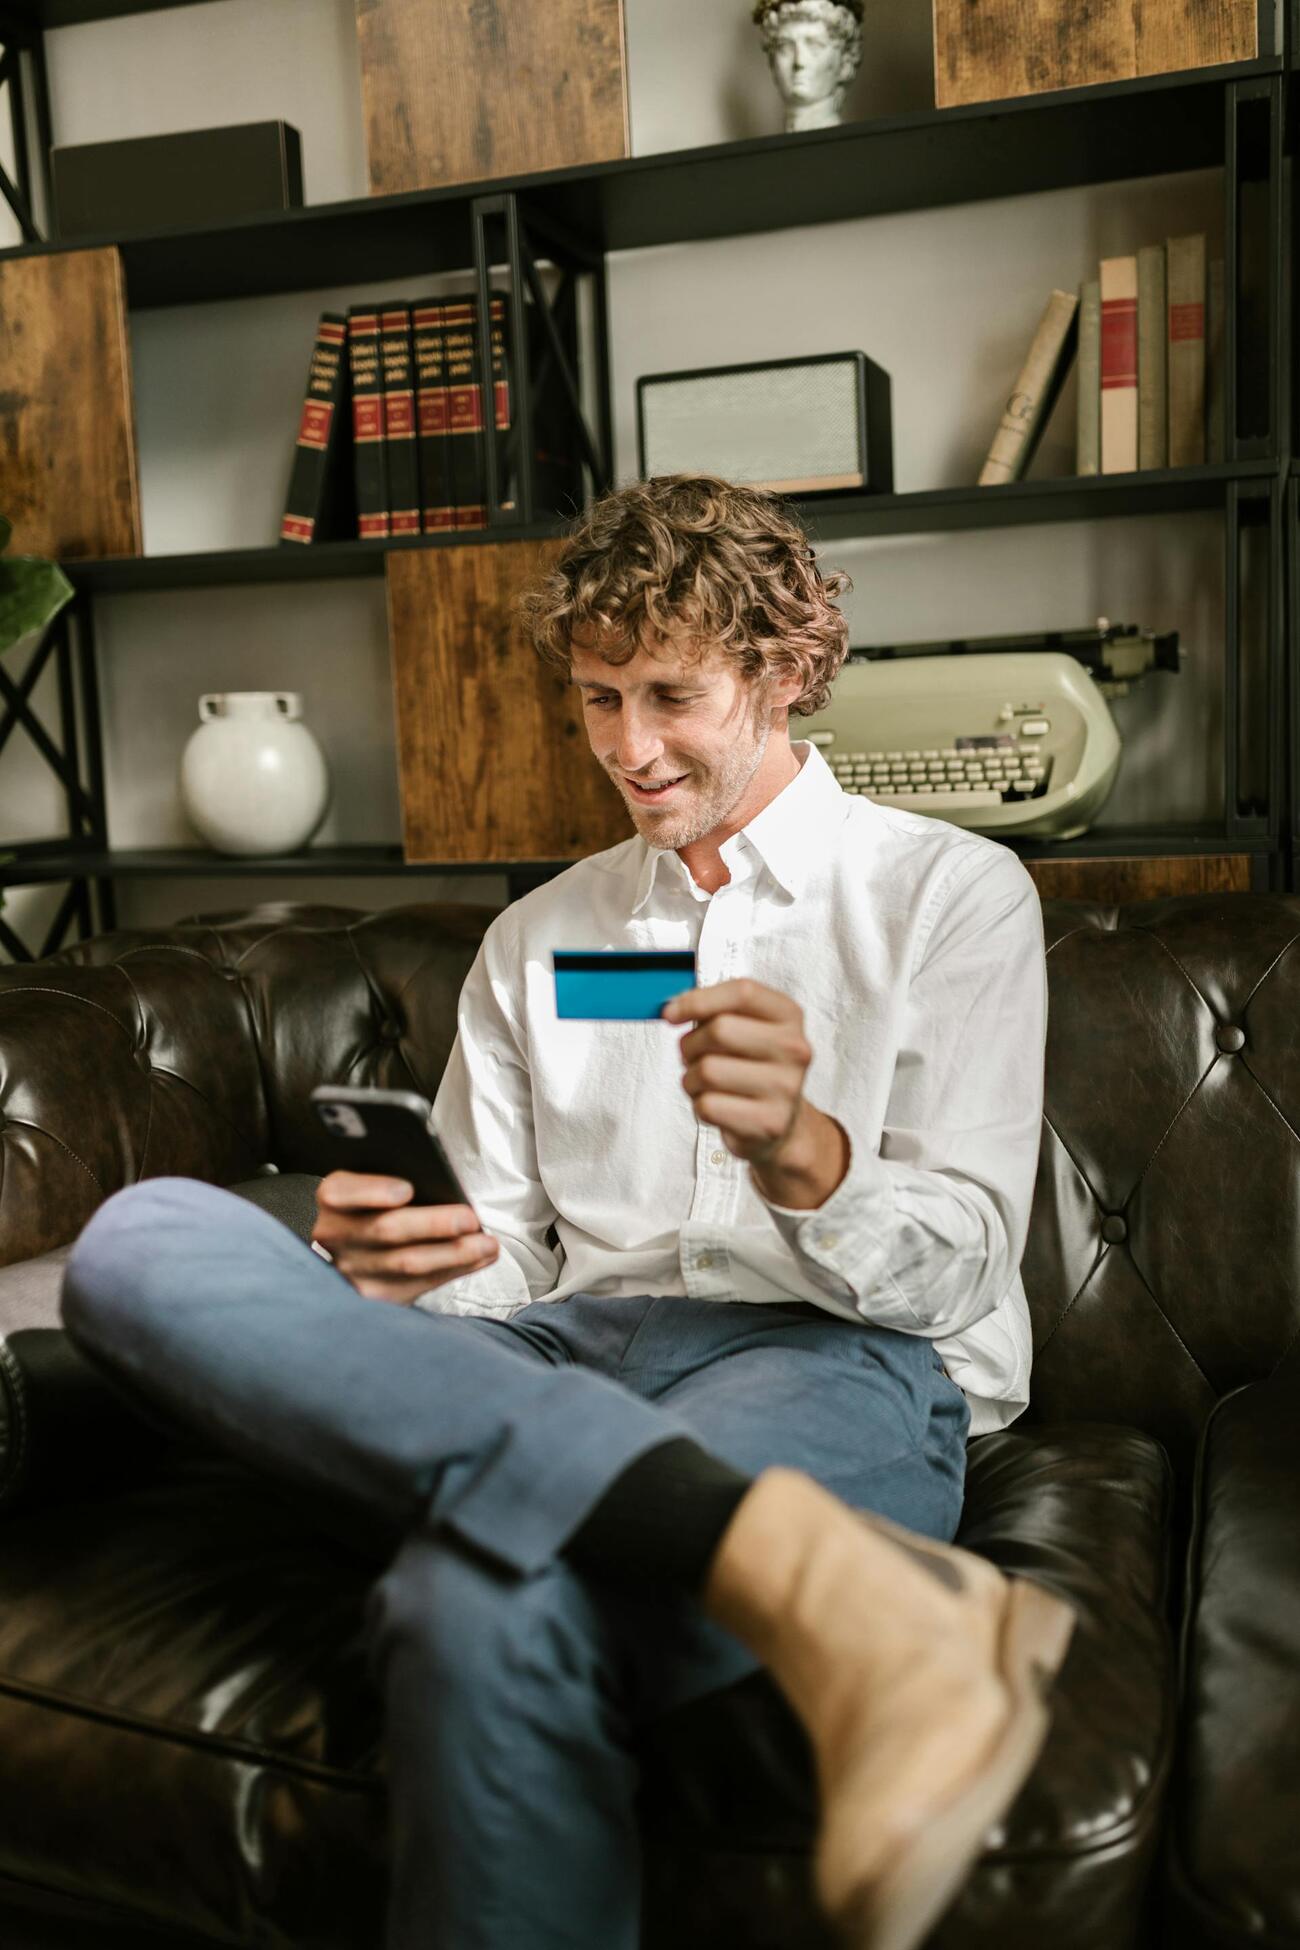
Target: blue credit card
(618, 984)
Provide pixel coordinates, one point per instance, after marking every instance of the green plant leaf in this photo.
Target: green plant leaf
(32, 592)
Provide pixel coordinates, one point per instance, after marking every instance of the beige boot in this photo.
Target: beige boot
(921, 1675)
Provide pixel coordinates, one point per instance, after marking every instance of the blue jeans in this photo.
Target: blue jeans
(513, 1684)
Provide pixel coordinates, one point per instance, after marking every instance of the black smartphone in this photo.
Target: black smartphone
(388, 1132)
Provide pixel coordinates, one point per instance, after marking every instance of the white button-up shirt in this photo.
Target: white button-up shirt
(915, 950)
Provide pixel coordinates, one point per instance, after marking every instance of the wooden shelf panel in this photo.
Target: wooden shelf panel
(935, 511)
(1102, 134)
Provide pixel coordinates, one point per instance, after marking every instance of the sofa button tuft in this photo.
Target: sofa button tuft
(1114, 1227)
(1229, 1038)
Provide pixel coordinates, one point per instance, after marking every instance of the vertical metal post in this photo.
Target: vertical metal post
(84, 617)
(520, 339)
(1253, 162)
(505, 208)
(1290, 650)
(44, 130)
(1252, 652)
(604, 386)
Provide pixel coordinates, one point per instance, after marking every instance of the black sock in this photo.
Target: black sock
(660, 1522)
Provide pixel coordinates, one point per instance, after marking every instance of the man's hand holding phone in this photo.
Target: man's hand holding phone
(393, 1215)
(390, 1249)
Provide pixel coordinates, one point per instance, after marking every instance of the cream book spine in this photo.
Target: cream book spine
(1153, 399)
(1119, 357)
(1187, 350)
(1087, 458)
(1035, 392)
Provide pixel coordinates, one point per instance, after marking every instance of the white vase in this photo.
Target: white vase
(253, 779)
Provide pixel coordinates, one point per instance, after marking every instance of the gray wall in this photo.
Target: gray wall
(946, 300)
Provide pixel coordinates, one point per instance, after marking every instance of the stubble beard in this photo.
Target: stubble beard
(721, 793)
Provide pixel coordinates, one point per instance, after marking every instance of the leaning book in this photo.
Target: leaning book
(320, 505)
(1029, 406)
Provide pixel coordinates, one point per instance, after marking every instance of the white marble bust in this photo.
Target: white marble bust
(814, 48)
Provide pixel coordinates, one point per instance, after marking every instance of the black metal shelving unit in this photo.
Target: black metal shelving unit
(1233, 119)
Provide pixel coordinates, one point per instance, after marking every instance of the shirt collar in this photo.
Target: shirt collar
(789, 835)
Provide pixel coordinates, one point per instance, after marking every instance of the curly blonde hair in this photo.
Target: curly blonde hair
(700, 562)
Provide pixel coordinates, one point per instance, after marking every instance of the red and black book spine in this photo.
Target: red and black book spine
(465, 412)
(398, 362)
(368, 423)
(321, 456)
(432, 412)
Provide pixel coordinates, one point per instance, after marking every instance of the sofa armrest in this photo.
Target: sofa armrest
(143, 1065)
(64, 1430)
(1235, 1870)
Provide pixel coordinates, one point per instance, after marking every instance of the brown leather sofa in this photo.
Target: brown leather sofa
(189, 1749)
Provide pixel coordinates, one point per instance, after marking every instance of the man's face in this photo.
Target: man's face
(806, 61)
(666, 716)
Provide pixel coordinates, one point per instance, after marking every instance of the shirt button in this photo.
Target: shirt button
(829, 1239)
(717, 1157)
(704, 1261)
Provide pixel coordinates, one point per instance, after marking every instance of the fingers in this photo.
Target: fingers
(421, 1259)
(390, 1249)
(355, 1191)
(735, 1035)
(744, 996)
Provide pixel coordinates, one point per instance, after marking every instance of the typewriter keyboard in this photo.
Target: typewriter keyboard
(944, 779)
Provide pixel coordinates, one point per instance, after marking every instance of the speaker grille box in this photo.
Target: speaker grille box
(792, 426)
(170, 182)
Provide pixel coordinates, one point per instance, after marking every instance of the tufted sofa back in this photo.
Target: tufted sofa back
(1163, 1262)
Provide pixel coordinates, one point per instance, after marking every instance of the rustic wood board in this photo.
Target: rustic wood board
(986, 50)
(455, 93)
(493, 757)
(1139, 879)
(68, 472)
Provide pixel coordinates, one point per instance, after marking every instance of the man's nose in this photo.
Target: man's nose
(639, 744)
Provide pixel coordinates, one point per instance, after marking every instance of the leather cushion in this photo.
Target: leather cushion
(1236, 1805)
(189, 1728)
(729, 1794)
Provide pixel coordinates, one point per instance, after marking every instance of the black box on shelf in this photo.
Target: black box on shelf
(171, 182)
(821, 425)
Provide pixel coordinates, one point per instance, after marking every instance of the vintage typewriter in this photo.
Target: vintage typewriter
(1011, 736)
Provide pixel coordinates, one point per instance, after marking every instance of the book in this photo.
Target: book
(1187, 350)
(1035, 392)
(1119, 365)
(1215, 431)
(397, 359)
(503, 398)
(464, 411)
(437, 510)
(1153, 403)
(320, 505)
(1087, 458)
(368, 423)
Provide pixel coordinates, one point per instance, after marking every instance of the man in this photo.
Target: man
(720, 1292)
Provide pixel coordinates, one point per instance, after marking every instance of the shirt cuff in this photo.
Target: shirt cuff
(843, 1243)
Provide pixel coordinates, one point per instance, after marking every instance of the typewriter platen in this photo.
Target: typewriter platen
(1010, 736)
